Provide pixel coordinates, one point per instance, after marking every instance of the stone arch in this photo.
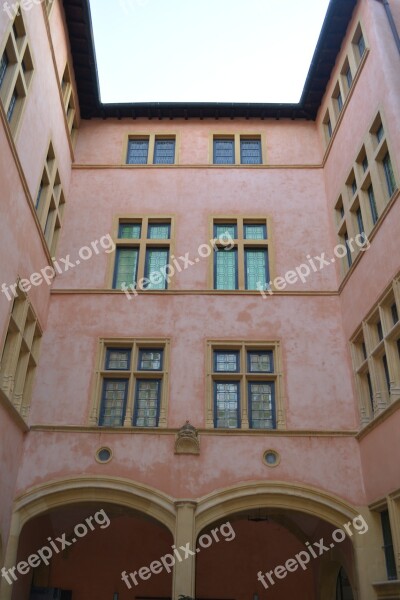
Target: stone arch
(287, 496)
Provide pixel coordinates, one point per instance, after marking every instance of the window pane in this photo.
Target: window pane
(11, 106)
(225, 231)
(224, 152)
(250, 152)
(388, 546)
(372, 203)
(226, 362)
(361, 45)
(147, 403)
(360, 221)
(260, 362)
(156, 259)
(329, 126)
(226, 270)
(3, 67)
(226, 404)
(118, 359)
(159, 231)
(164, 152)
(262, 407)
(125, 267)
(138, 151)
(380, 133)
(256, 263)
(340, 102)
(114, 402)
(131, 231)
(349, 77)
(150, 360)
(255, 232)
(389, 175)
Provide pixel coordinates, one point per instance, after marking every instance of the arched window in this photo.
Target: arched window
(343, 587)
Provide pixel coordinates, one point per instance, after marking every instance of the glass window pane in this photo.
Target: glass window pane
(226, 404)
(257, 271)
(255, 232)
(3, 67)
(150, 360)
(226, 270)
(125, 267)
(147, 403)
(11, 106)
(114, 402)
(389, 175)
(372, 203)
(131, 231)
(164, 152)
(227, 230)
(156, 260)
(226, 362)
(361, 45)
(224, 152)
(138, 151)
(118, 359)
(260, 362)
(388, 546)
(159, 231)
(250, 152)
(262, 405)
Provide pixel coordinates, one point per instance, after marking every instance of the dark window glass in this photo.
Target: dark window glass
(364, 350)
(118, 359)
(227, 404)
(113, 404)
(250, 152)
(261, 404)
(164, 152)
(39, 195)
(395, 314)
(361, 45)
(138, 152)
(226, 361)
(371, 393)
(349, 77)
(360, 221)
(147, 403)
(260, 362)
(340, 101)
(354, 186)
(150, 360)
(329, 127)
(380, 330)
(3, 67)
(372, 204)
(389, 175)
(388, 546)
(380, 133)
(11, 106)
(348, 251)
(156, 261)
(224, 152)
(365, 164)
(386, 370)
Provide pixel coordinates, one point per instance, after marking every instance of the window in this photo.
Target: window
(142, 253)
(372, 204)
(16, 70)
(389, 175)
(50, 201)
(376, 357)
(20, 354)
(349, 77)
(69, 103)
(329, 126)
(131, 388)
(245, 386)
(380, 133)
(244, 265)
(360, 222)
(250, 151)
(237, 149)
(339, 100)
(151, 149)
(224, 151)
(388, 546)
(361, 45)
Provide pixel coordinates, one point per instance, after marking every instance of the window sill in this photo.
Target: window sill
(12, 411)
(390, 590)
(376, 421)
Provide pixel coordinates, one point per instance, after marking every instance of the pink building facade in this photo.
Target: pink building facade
(234, 266)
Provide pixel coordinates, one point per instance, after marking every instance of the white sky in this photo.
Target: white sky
(205, 50)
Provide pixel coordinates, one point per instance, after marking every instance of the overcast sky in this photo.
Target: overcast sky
(205, 50)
